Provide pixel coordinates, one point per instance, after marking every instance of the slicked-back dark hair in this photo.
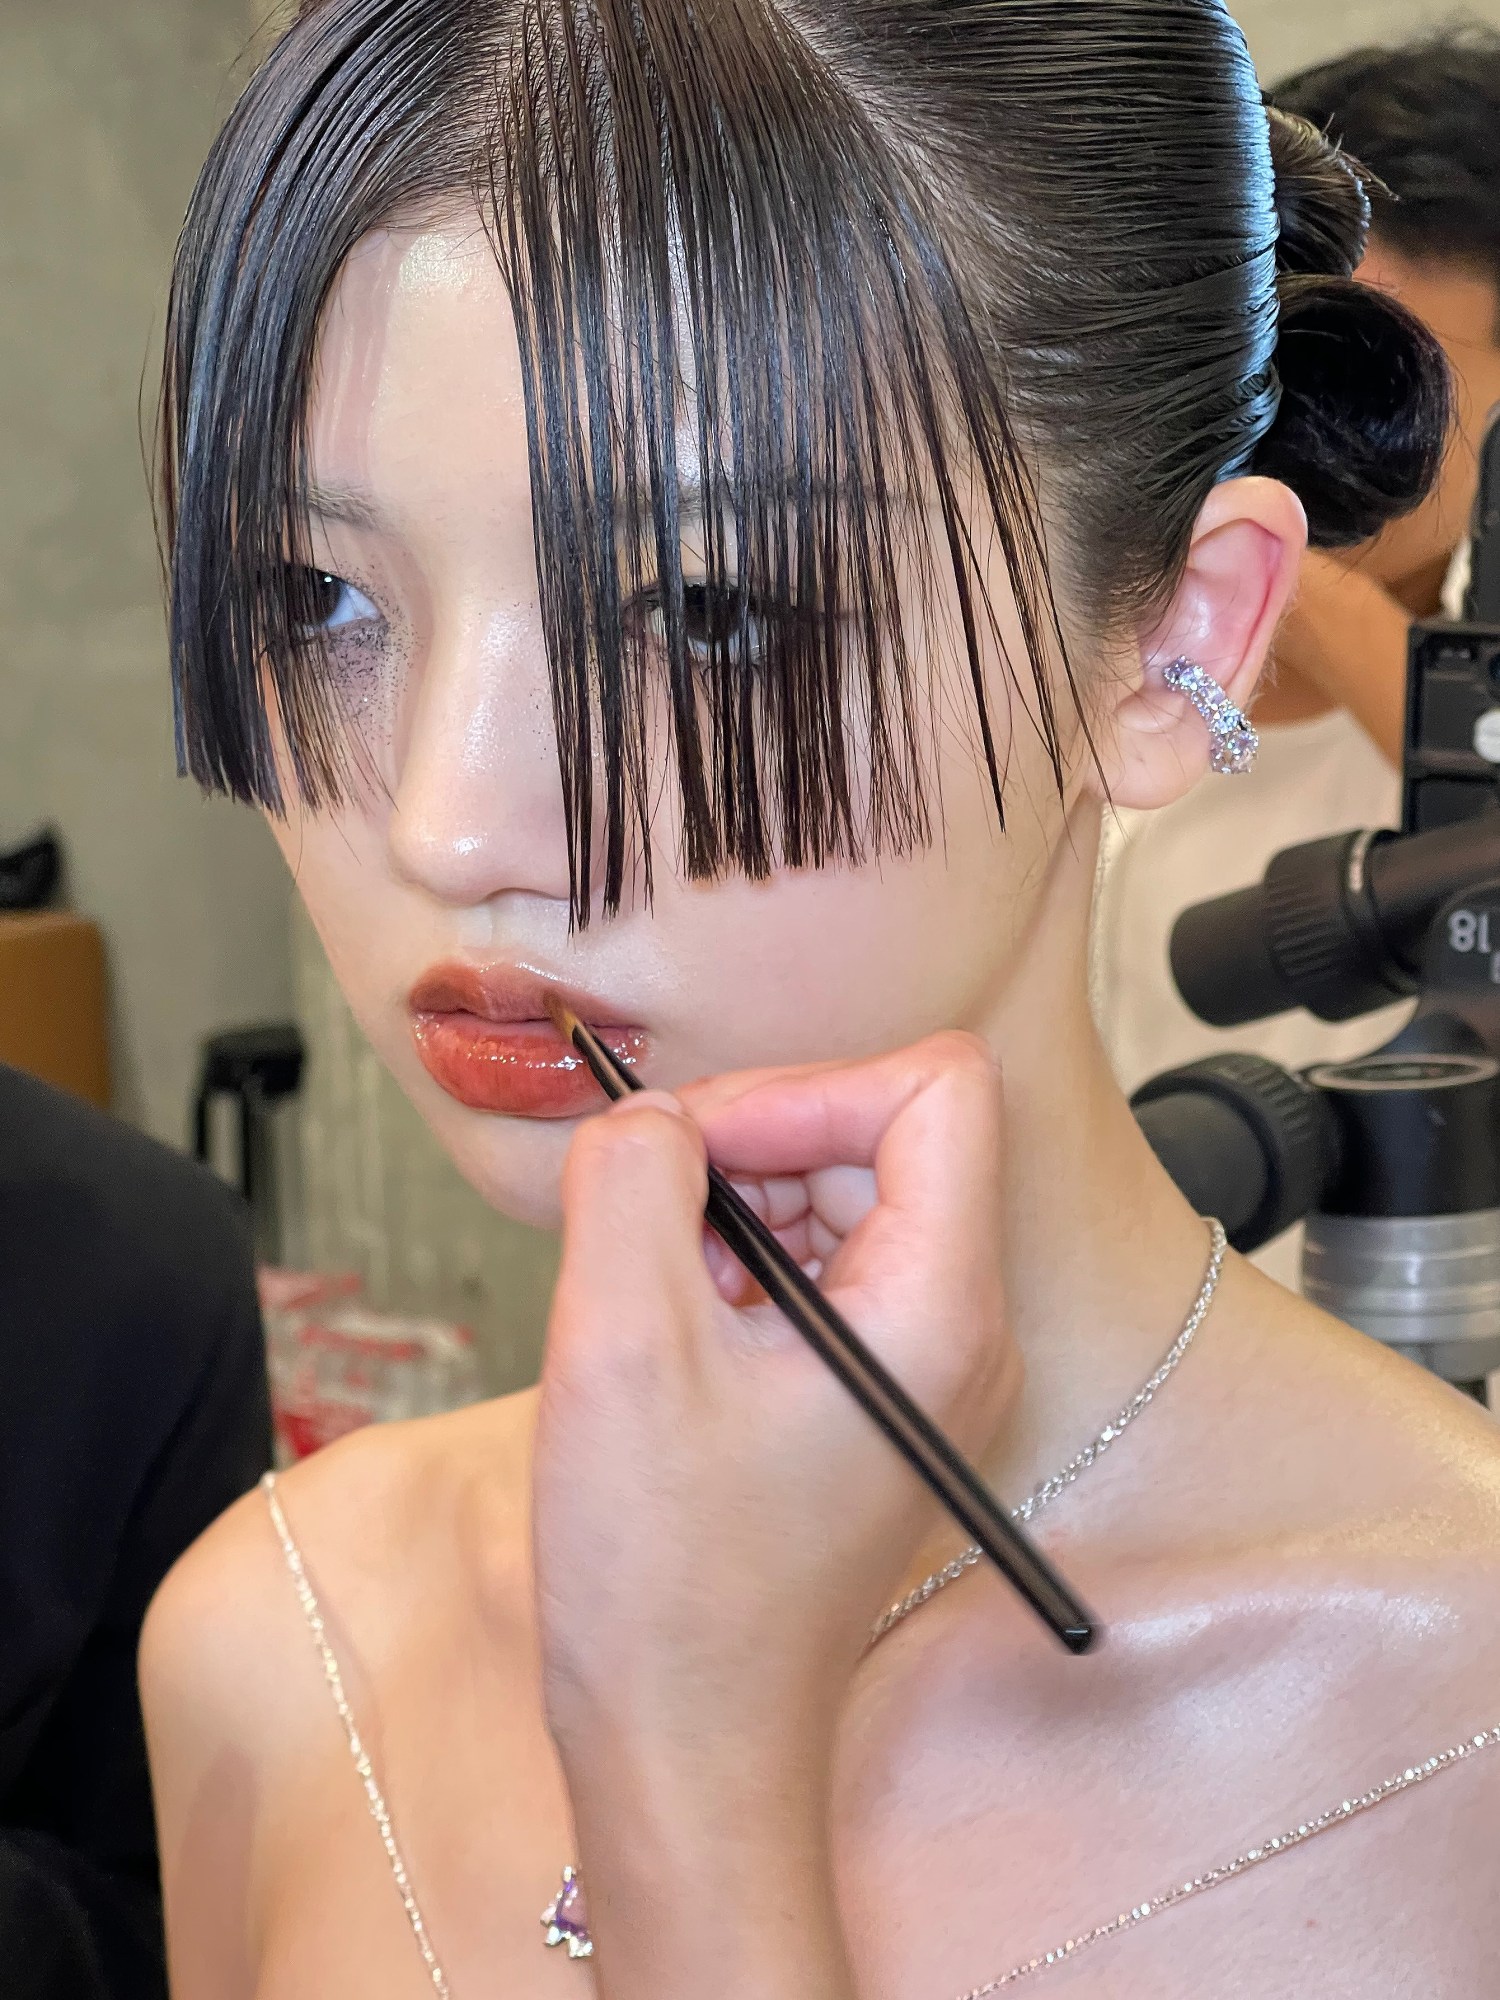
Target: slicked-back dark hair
(1425, 116)
(1015, 257)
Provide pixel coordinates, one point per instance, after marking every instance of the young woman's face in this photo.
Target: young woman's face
(442, 896)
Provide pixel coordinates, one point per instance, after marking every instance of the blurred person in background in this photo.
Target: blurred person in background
(1425, 119)
(135, 1410)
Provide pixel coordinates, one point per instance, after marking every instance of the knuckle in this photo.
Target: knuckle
(961, 1053)
(631, 1145)
(582, 1169)
(965, 1072)
(651, 1126)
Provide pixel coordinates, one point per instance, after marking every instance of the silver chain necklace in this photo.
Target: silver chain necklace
(1059, 1483)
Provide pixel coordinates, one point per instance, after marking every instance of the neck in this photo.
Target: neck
(1103, 1257)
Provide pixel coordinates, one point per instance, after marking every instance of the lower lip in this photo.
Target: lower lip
(518, 1069)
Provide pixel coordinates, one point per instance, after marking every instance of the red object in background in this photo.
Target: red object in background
(296, 1291)
(337, 1365)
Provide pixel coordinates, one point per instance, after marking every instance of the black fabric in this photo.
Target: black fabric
(133, 1411)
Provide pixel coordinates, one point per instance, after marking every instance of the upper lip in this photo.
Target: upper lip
(502, 994)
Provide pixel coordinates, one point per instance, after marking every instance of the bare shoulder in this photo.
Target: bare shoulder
(383, 1520)
(1304, 1607)
(1316, 1507)
(393, 1526)
(1380, 1439)
(1350, 1519)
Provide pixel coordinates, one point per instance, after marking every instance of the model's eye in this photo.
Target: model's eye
(328, 604)
(712, 621)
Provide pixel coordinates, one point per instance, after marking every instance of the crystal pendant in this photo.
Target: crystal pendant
(564, 1920)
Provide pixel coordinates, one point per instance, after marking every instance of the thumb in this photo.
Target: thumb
(633, 1194)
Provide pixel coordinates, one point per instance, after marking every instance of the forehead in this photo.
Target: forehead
(417, 388)
(418, 392)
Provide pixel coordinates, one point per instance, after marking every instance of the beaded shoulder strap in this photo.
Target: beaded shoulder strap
(374, 1797)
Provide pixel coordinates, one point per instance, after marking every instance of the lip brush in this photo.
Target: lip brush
(924, 1447)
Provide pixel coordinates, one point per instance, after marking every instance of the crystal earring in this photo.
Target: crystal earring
(564, 1921)
(1235, 743)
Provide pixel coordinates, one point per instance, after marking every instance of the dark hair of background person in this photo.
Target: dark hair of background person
(1025, 257)
(1424, 117)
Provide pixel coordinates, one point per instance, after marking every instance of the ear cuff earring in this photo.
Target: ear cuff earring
(1235, 744)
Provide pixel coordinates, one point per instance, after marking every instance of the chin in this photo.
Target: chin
(515, 1164)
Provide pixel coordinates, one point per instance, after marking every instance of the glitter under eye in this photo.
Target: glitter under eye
(356, 641)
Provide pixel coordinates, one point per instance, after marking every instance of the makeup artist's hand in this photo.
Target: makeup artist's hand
(717, 1522)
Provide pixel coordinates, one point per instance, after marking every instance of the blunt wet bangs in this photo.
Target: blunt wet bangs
(345, 122)
(816, 300)
(705, 239)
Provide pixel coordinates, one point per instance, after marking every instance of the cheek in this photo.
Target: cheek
(337, 866)
(842, 963)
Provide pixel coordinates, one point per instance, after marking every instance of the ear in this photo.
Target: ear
(1240, 575)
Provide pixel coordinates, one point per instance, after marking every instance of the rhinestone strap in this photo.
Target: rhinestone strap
(1405, 1781)
(1059, 1483)
(379, 1811)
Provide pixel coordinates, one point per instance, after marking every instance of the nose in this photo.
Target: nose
(477, 811)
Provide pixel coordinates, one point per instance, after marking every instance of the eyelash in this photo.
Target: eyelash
(310, 583)
(709, 613)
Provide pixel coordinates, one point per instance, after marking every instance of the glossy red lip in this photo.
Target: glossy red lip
(484, 1037)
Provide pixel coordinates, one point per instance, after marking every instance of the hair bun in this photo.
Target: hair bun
(1366, 397)
(1322, 199)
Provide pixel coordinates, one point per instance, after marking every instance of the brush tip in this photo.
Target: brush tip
(563, 1017)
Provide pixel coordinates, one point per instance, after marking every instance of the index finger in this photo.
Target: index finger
(941, 1100)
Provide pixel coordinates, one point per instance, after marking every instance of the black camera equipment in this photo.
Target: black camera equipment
(1393, 1160)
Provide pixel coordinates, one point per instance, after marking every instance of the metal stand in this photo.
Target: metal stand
(1393, 1160)
(257, 1069)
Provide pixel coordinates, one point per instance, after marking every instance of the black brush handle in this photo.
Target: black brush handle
(924, 1447)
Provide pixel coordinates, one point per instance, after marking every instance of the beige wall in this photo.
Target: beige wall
(1286, 34)
(106, 109)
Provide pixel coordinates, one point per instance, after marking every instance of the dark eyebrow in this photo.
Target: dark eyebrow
(347, 504)
(690, 493)
(357, 509)
(691, 496)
